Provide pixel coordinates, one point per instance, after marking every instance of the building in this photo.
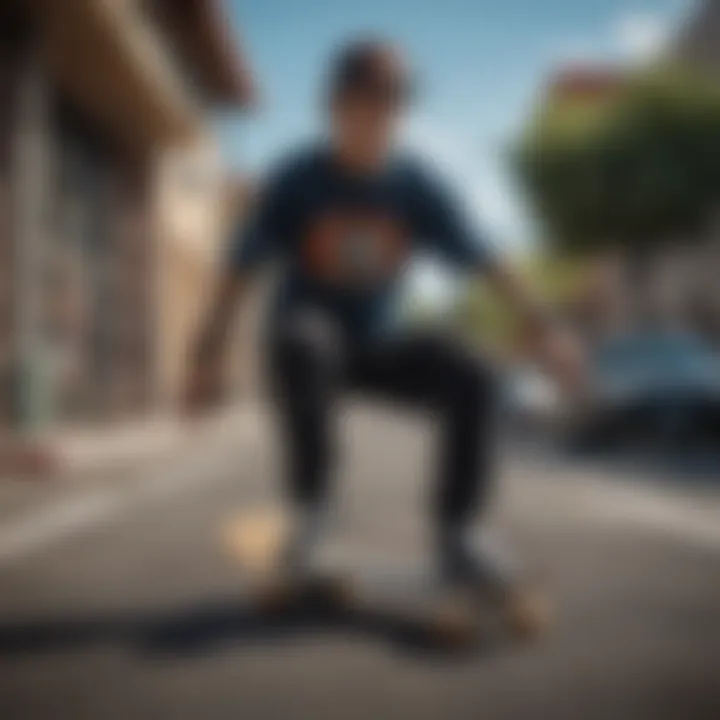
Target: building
(692, 276)
(698, 40)
(109, 192)
(678, 288)
(191, 209)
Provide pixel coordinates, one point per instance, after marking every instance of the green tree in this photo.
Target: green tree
(631, 170)
(481, 314)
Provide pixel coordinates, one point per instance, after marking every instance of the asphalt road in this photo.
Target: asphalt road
(116, 600)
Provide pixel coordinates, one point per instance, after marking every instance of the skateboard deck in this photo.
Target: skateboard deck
(400, 592)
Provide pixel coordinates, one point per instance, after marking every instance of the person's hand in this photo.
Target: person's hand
(563, 356)
(205, 384)
(203, 389)
(29, 459)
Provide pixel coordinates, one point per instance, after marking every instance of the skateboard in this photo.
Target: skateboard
(445, 616)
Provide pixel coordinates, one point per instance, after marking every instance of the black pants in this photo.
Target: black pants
(312, 364)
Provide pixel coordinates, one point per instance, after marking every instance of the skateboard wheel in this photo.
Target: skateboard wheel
(452, 634)
(274, 595)
(528, 614)
(453, 625)
(278, 593)
(333, 590)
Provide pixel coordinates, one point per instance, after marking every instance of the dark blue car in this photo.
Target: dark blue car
(662, 386)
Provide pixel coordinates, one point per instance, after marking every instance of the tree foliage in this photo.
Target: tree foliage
(556, 280)
(639, 166)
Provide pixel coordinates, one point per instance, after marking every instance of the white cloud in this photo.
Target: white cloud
(641, 36)
(633, 36)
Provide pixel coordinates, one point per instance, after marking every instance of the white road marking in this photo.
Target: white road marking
(581, 495)
(647, 507)
(591, 498)
(41, 528)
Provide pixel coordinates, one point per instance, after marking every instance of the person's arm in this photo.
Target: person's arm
(256, 242)
(543, 336)
(207, 360)
(445, 224)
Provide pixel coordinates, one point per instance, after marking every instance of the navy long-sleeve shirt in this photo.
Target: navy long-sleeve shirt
(343, 238)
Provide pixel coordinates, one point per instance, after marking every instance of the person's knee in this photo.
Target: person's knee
(456, 371)
(475, 381)
(310, 341)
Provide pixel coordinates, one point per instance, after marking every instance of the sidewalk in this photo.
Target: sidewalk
(100, 475)
(78, 451)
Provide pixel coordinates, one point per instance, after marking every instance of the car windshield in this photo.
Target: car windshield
(654, 355)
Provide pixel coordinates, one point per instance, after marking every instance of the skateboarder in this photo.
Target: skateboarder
(342, 219)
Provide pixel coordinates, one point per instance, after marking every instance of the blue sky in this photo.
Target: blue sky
(480, 63)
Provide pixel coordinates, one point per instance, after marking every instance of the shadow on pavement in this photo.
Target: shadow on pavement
(667, 466)
(650, 462)
(207, 627)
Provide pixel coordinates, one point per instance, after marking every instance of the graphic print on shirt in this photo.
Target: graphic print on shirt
(353, 249)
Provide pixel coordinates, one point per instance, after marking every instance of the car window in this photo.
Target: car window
(654, 355)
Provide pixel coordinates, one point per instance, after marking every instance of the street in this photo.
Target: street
(118, 602)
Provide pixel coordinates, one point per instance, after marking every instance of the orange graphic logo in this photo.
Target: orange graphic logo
(353, 249)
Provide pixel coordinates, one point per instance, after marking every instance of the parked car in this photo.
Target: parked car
(659, 386)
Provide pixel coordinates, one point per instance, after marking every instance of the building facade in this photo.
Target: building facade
(678, 289)
(98, 99)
